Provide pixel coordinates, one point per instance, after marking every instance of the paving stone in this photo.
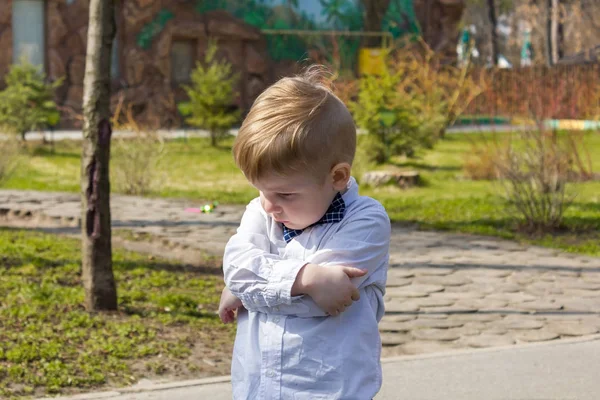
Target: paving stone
(521, 324)
(593, 277)
(472, 288)
(454, 309)
(486, 244)
(468, 331)
(395, 306)
(580, 304)
(555, 291)
(482, 304)
(433, 271)
(578, 293)
(456, 295)
(486, 340)
(494, 330)
(421, 323)
(386, 326)
(508, 288)
(572, 328)
(393, 281)
(397, 318)
(566, 273)
(478, 317)
(448, 280)
(400, 273)
(494, 283)
(417, 290)
(433, 302)
(486, 272)
(539, 306)
(433, 316)
(404, 292)
(581, 284)
(539, 335)
(435, 334)
(392, 339)
(550, 318)
(426, 346)
(539, 292)
(475, 326)
(511, 297)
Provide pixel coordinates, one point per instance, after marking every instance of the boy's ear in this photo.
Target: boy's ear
(340, 174)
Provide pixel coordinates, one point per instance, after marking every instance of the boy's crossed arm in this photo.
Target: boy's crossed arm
(330, 288)
(265, 282)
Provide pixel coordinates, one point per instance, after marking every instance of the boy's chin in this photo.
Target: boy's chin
(291, 225)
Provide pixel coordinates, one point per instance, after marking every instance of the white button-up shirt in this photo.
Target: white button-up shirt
(287, 347)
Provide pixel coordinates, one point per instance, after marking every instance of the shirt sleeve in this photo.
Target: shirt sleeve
(263, 281)
(253, 274)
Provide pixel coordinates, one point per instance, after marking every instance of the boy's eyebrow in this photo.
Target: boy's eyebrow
(284, 188)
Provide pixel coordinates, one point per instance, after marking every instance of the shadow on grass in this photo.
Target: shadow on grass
(212, 265)
(167, 267)
(12, 262)
(425, 167)
(145, 313)
(40, 151)
(43, 263)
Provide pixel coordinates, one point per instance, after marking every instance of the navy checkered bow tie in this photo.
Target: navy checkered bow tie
(335, 213)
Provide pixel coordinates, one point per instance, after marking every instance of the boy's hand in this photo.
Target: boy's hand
(329, 287)
(228, 305)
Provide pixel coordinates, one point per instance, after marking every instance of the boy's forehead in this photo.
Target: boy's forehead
(279, 183)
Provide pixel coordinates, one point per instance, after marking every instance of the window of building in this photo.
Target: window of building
(182, 60)
(115, 71)
(28, 25)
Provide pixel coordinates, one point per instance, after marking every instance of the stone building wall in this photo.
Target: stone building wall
(146, 30)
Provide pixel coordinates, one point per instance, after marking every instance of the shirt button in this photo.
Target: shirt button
(276, 309)
(270, 374)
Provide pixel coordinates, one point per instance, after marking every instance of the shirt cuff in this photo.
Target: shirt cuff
(282, 278)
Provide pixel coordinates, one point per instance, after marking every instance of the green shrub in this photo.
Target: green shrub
(27, 102)
(535, 171)
(137, 159)
(211, 96)
(411, 102)
(390, 116)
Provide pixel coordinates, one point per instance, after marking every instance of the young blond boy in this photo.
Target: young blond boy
(307, 268)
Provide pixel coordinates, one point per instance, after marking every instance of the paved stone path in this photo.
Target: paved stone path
(445, 291)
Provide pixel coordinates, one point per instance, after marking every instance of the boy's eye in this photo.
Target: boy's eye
(285, 195)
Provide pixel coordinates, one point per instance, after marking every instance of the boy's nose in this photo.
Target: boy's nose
(271, 207)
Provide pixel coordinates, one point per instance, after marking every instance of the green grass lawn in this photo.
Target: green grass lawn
(193, 169)
(50, 344)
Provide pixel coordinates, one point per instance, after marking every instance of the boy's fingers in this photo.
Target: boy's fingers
(354, 272)
(355, 294)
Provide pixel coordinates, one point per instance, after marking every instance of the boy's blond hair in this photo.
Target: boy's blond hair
(296, 125)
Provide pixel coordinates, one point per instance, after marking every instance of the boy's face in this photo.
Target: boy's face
(298, 200)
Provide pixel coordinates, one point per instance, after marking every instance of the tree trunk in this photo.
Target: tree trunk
(98, 278)
(374, 11)
(554, 40)
(549, 32)
(494, 33)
